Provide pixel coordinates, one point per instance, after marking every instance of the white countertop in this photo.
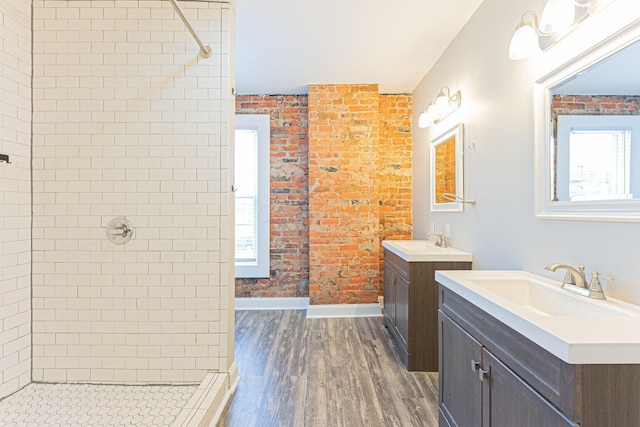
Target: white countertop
(612, 338)
(424, 251)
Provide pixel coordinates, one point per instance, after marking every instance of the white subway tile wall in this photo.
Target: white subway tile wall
(130, 121)
(15, 195)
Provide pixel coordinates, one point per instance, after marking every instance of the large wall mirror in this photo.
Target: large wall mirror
(588, 134)
(447, 171)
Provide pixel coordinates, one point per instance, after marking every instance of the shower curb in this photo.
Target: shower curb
(207, 404)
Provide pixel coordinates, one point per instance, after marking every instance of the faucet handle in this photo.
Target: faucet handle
(582, 273)
(595, 287)
(596, 275)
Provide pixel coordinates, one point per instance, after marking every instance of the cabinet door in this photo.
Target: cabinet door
(402, 310)
(508, 401)
(460, 391)
(389, 296)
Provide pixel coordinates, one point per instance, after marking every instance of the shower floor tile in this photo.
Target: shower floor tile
(94, 405)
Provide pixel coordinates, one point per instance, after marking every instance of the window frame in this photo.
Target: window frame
(261, 123)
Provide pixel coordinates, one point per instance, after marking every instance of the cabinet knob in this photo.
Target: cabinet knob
(482, 374)
(475, 365)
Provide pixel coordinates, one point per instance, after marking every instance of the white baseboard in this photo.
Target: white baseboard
(313, 311)
(297, 303)
(344, 310)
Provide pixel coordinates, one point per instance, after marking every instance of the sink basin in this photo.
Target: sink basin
(425, 251)
(575, 328)
(418, 246)
(540, 298)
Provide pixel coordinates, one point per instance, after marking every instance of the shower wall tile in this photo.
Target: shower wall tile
(130, 121)
(15, 195)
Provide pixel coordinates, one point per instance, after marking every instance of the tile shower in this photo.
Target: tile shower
(122, 118)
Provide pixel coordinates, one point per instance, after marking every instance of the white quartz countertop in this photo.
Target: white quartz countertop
(424, 251)
(576, 329)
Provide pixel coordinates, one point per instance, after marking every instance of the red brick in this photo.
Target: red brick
(358, 163)
(289, 263)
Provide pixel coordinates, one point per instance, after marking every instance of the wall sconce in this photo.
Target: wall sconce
(444, 105)
(557, 17)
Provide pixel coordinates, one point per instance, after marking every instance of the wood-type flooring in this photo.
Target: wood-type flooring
(302, 372)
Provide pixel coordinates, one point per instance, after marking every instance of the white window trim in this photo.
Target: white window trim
(260, 123)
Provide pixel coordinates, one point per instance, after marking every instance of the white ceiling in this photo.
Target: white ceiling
(284, 45)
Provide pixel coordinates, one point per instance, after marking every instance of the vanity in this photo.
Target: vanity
(411, 297)
(516, 350)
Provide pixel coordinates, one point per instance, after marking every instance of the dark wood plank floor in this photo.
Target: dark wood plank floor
(324, 372)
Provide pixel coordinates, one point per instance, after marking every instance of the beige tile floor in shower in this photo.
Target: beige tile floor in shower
(95, 405)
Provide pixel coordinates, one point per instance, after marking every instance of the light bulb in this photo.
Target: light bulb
(557, 16)
(433, 112)
(442, 103)
(424, 121)
(525, 42)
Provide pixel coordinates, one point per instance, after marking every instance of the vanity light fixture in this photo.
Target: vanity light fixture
(557, 17)
(525, 41)
(444, 105)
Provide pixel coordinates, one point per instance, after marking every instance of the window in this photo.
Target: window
(596, 158)
(252, 195)
(599, 164)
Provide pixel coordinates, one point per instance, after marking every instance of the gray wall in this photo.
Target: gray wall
(502, 231)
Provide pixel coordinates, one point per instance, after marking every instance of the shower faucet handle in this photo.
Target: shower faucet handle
(119, 231)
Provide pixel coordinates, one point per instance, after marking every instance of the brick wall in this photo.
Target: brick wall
(359, 169)
(445, 175)
(344, 209)
(596, 104)
(592, 105)
(395, 152)
(15, 195)
(289, 259)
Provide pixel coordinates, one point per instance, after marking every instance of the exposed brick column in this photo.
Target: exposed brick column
(344, 226)
(395, 162)
(289, 260)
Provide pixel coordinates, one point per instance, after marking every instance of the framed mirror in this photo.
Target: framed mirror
(588, 134)
(446, 171)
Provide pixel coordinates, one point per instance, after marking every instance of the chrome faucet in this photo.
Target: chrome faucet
(441, 241)
(575, 281)
(572, 277)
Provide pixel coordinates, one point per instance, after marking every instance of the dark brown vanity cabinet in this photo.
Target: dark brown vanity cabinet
(411, 308)
(476, 389)
(491, 375)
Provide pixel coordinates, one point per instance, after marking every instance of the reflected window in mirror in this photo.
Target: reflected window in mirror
(599, 164)
(596, 158)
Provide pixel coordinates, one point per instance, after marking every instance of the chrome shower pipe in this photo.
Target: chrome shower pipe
(205, 50)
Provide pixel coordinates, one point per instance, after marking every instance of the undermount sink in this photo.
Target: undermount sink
(424, 251)
(575, 328)
(546, 300)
